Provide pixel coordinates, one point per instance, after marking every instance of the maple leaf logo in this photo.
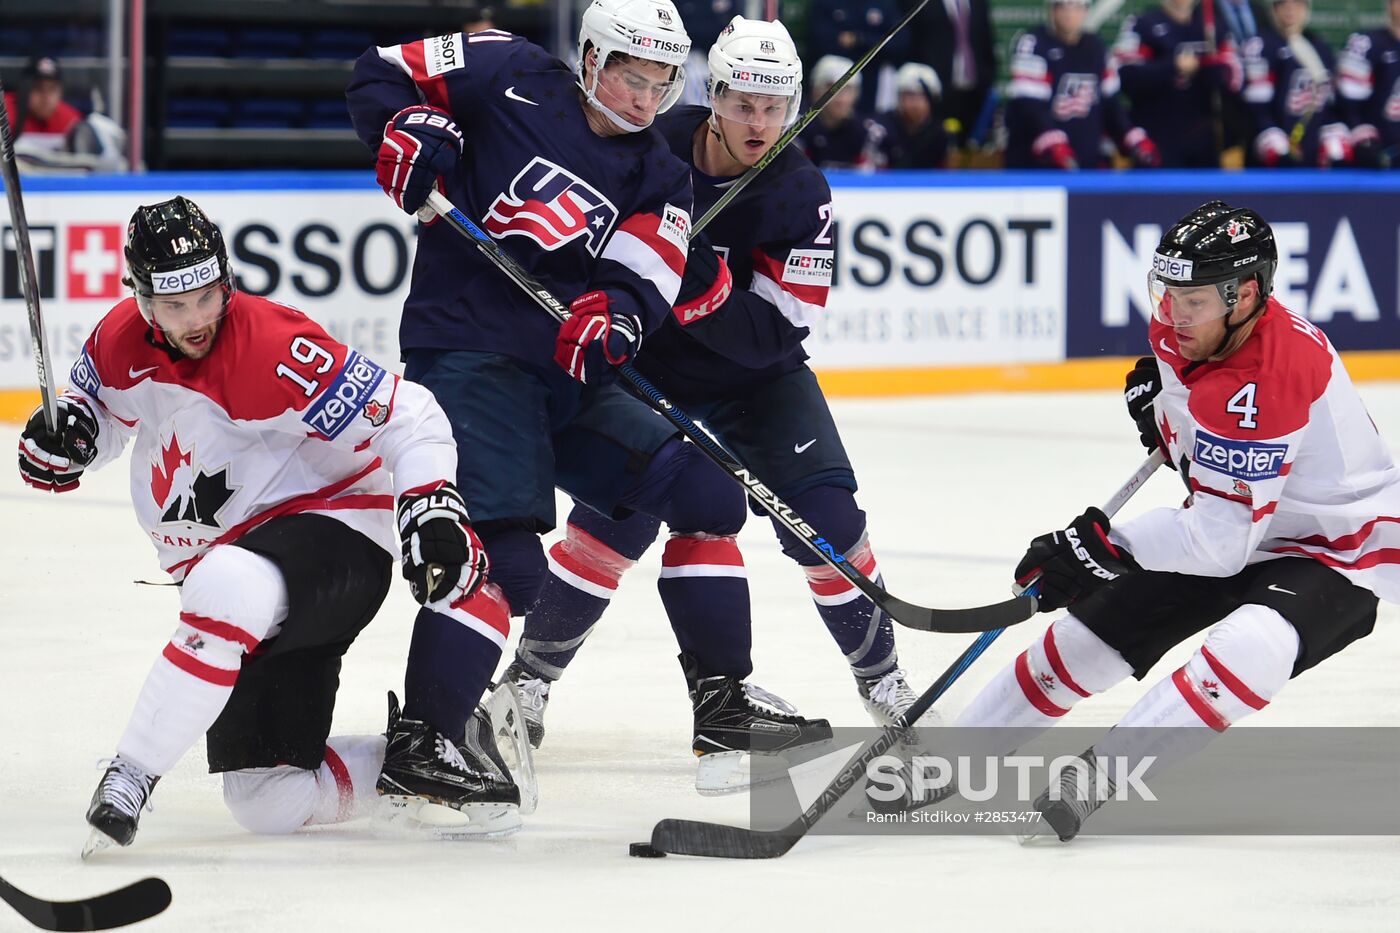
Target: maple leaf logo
(1047, 682)
(1211, 687)
(163, 473)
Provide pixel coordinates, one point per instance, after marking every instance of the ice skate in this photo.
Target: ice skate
(1083, 788)
(888, 696)
(741, 731)
(450, 790)
(115, 811)
(534, 697)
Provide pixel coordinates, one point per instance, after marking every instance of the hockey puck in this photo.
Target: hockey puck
(644, 850)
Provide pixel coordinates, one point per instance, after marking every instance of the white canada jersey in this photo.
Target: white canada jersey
(278, 419)
(1282, 461)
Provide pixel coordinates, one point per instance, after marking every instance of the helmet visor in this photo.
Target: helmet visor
(1186, 305)
(751, 109)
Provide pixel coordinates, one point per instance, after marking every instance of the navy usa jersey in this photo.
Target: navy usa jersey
(1072, 88)
(1282, 92)
(577, 210)
(1368, 82)
(1176, 113)
(776, 238)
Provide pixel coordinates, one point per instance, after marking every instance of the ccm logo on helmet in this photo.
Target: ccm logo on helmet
(183, 280)
(1169, 268)
(1240, 459)
(1246, 261)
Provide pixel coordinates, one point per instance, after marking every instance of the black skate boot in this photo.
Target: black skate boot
(740, 731)
(115, 811)
(453, 790)
(534, 697)
(1083, 788)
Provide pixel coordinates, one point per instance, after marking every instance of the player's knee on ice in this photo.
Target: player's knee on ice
(271, 801)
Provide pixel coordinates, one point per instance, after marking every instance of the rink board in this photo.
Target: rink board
(943, 282)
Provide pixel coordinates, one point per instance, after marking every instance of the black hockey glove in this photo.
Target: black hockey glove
(421, 144)
(707, 283)
(1074, 562)
(442, 556)
(1143, 383)
(54, 460)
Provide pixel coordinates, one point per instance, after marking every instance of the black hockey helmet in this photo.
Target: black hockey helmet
(173, 247)
(1215, 244)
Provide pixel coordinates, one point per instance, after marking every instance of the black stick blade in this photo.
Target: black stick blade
(976, 619)
(713, 840)
(131, 904)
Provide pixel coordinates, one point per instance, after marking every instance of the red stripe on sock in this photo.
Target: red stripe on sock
(225, 630)
(217, 676)
(685, 550)
(346, 808)
(1032, 689)
(488, 607)
(1247, 696)
(1197, 702)
(1058, 665)
(563, 556)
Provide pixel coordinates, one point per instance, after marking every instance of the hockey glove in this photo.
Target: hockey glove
(1366, 147)
(1053, 150)
(707, 283)
(1143, 383)
(420, 144)
(442, 556)
(594, 336)
(1139, 147)
(1074, 562)
(54, 460)
(1334, 145)
(1272, 147)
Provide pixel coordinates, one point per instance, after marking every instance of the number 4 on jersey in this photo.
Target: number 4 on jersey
(1242, 403)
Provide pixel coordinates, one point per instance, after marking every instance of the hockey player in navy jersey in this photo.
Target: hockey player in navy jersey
(1368, 83)
(1290, 96)
(755, 282)
(559, 167)
(1064, 105)
(261, 458)
(1169, 76)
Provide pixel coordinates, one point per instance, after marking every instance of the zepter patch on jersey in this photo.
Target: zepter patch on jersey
(675, 226)
(1243, 460)
(810, 267)
(84, 375)
(345, 397)
(442, 54)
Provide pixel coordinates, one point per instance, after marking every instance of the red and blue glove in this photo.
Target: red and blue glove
(421, 143)
(1053, 150)
(1139, 147)
(593, 338)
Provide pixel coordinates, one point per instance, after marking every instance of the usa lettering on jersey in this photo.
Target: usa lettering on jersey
(552, 206)
(347, 396)
(1075, 97)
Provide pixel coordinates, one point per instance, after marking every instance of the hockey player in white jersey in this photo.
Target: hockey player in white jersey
(1286, 541)
(261, 470)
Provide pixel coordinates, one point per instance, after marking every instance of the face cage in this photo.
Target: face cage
(590, 90)
(1165, 308)
(727, 103)
(144, 300)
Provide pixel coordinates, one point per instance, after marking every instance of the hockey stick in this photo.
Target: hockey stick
(791, 132)
(976, 619)
(28, 280)
(131, 904)
(716, 840)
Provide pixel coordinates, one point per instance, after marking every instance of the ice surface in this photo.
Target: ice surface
(954, 487)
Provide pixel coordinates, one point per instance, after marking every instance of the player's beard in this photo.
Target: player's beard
(196, 344)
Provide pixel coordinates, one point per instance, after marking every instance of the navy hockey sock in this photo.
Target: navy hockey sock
(451, 659)
(706, 594)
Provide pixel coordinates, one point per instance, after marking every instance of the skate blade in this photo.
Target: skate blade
(721, 773)
(1037, 834)
(97, 841)
(472, 821)
(511, 732)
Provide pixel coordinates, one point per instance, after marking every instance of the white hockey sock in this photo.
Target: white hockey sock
(229, 603)
(347, 777)
(283, 799)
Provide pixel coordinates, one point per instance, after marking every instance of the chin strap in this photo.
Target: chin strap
(1230, 328)
(613, 118)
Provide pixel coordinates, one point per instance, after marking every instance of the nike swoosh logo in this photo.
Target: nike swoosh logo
(510, 92)
(135, 373)
(798, 448)
(1163, 344)
(1279, 589)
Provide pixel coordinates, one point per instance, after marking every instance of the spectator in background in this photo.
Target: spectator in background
(956, 38)
(1368, 83)
(1238, 20)
(703, 21)
(1063, 99)
(53, 136)
(850, 29)
(914, 134)
(1176, 83)
(841, 136)
(1288, 89)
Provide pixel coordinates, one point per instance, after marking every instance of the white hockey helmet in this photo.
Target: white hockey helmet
(830, 67)
(647, 29)
(753, 56)
(914, 77)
